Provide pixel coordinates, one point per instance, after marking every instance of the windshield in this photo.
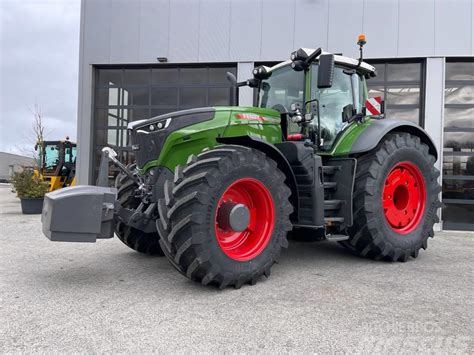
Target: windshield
(284, 87)
(51, 153)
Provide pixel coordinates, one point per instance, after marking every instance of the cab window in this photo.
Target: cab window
(362, 89)
(284, 87)
(70, 154)
(52, 157)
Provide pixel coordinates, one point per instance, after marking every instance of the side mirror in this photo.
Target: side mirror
(325, 71)
(348, 112)
(231, 77)
(233, 87)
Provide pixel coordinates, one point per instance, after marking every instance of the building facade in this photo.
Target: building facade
(142, 58)
(12, 163)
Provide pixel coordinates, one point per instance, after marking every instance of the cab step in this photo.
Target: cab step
(333, 204)
(330, 184)
(333, 220)
(337, 237)
(330, 169)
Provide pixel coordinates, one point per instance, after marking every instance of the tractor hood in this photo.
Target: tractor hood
(148, 136)
(151, 139)
(202, 112)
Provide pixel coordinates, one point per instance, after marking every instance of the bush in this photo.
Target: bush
(27, 185)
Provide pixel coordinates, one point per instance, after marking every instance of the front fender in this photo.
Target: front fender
(272, 152)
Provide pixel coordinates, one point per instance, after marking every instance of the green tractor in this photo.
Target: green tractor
(217, 190)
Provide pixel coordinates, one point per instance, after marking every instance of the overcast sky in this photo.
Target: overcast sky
(39, 57)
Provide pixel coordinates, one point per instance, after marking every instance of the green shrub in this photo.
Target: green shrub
(27, 185)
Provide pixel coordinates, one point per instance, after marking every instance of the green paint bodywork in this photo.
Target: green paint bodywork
(343, 145)
(179, 145)
(193, 139)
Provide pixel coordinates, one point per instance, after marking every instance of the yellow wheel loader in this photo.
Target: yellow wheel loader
(56, 163)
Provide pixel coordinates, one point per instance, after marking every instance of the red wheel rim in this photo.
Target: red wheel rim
(404, 197)
(249, 243)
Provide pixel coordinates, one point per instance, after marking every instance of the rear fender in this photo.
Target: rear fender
(378, 129)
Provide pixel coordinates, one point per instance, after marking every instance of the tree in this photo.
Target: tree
(39, 132)
(38, 127)
(33, 137)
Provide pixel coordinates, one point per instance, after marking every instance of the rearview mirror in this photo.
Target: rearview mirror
(325, 71)
(231, 77)
(348, 112)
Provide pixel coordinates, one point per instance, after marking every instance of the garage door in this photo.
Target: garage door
(128, 94)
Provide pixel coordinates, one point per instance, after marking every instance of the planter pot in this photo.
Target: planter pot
(31, 205)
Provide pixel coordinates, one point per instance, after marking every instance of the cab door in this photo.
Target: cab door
(345, 95)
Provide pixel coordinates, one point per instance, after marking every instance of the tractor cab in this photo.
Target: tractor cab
(317, 98)
(56, 162)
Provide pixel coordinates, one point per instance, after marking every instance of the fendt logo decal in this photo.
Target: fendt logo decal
(255, 117)
(374, 105)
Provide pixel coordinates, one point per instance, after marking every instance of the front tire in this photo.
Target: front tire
(225, 217)
(395, 200)
(147, 243)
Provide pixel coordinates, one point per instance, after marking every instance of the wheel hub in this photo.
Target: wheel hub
(403, 198)
(245, 219)
(233, 216)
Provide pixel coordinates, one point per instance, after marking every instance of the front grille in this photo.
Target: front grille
(147, 144)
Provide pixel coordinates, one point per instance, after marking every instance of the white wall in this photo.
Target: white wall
(434, 110)
(124, 31)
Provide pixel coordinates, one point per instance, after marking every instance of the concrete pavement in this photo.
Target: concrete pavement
(105, 297)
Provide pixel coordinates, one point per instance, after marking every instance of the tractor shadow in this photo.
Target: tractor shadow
(322, 251)
(122, 270)
(313, 255)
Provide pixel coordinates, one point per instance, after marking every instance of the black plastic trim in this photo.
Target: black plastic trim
(146, 122)
(373, 134)
(308, 170)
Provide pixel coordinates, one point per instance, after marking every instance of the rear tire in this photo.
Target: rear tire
(395, 200)
(195, 234)
(147, 243)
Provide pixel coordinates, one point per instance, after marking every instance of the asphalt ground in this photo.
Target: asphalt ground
(106, 298)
